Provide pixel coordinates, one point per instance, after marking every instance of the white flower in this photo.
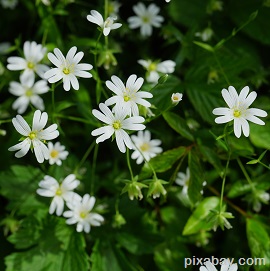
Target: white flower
(146, 18)
(127, 97)
(209, 267)
(9, 3)
(176, 98)
(28, 92)
(183, 180)
(68, 68)
(205, 35)
(33, 54)
(239, 110)
(144, 147)
(106, 25)
(117, 123)
(34, 138)
(49, 187)
(154, 68)
(57, 153)
(80, 213)
(228, 265)
(113, 8)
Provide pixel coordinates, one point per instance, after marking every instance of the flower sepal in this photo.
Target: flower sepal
(133, 188)
(156, 187)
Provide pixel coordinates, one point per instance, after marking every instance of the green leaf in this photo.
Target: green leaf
(205, 46)
(178, 124)
(19, 185)
(54, 246)
(196, 177)
(211, 156)
(259, 135)
(107, 257)
(163, 161)
(197, 220)
(238, 188)
(259, 243)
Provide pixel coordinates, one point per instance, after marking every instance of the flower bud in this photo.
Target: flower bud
(176, 98)
(156, 188)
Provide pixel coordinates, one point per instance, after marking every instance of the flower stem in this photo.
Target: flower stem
(223, 183)
(94, 169)
(84, 157)
(245, 173)
(129, 166)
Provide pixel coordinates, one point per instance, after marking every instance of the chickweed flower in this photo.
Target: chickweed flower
(127, 96)
(28, 92)
(34, 137)
(113, 8)
(49, 187)
(134, 189)
(106, 25)
(155, 69)
(239, 110)
(67, 68)
(144, 147)
(9, 3)
(156, 188)
(183, 180)
(33, 54)
(57, 153)
(146, 18)
(80, 213)
(176, 98)
(206, 34)
(117, 123)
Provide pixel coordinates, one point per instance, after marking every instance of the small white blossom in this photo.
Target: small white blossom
(57, 153)
(154, 69)
(106, 25)
(68, 68)
(9, 3)
(80, 213)
(205, 35)
(49, 187)
(127, 97)
(33, 54)
(113, 8)
(239, 110)
(146, 18)
(28, 92)
(144, 147)
(34, 137)
(117, 123)
(176, 98)
(183, 180)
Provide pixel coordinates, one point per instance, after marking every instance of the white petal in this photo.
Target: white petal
(39, 120)
(237, 127)
(21, 125)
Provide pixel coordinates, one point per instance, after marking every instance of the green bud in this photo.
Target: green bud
(134, 190)
(118, 220)
(162, 79)
(156, 188)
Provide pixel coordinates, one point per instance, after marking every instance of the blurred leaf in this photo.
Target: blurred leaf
(163, 161)
(259, 243)
(259, 135)
(196, 177)
(238, 188)
(211, 156)
(178, 124)
(107, 257)
(197, 220)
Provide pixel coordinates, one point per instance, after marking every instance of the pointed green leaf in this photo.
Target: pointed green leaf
(197, 220)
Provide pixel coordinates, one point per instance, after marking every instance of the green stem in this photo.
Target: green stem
(5, 121)
(84, 157)
(221, 68)
(94, 168)
(223, 182)
(245, 173)
(76, 119)
(263, 165)
(129, 166)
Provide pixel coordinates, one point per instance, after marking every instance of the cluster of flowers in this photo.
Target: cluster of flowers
(124, 115)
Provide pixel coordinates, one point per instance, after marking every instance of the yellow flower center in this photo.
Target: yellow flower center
(83, 215)
(66, 70)
(30, 65)
(152, 67)
(58, 192)
(54, 153)
(29, 92)
(144, 147)
(32, 135)
(126, 97)
(145, 19)
(175, 98)
(117, 125)
(237, 113)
